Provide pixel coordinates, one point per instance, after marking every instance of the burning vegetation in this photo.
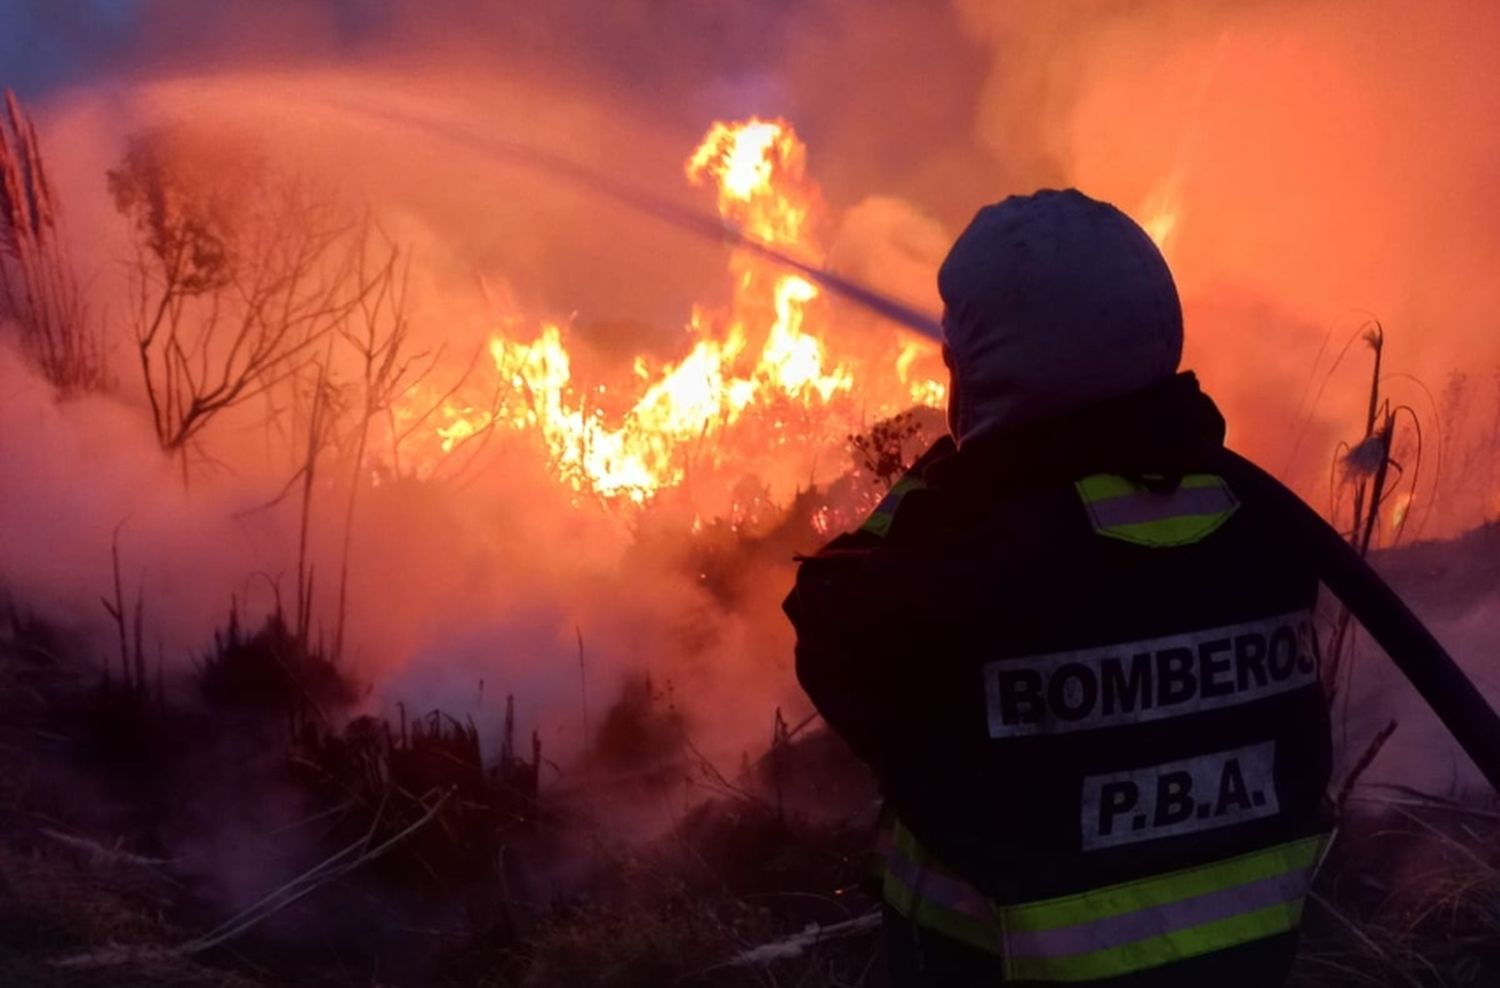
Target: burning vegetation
(257, 298)
(761, 372)
(439, 640)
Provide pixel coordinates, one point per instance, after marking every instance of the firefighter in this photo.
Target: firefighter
(1075, 642)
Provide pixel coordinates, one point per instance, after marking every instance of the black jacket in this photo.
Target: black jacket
(993, 563)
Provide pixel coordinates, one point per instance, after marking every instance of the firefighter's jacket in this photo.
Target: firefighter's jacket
(1081, 660)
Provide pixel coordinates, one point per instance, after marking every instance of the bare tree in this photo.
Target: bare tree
(332, 397)
(240, 271)
(463, 453)
(38, 289)
(390, 373)
(378, 336)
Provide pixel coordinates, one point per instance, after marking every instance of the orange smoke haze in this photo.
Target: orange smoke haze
(1305, 167)
(511, 480)
(606, 395)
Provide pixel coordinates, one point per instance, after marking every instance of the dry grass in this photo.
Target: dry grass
(1410, 896)
(57, 905)
(38, 289)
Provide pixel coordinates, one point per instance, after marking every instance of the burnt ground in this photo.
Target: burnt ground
(219, 831)
(1445, 580)
(137, 818)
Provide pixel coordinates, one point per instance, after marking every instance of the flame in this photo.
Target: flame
(759, 374)
(1400, 510)
(1159, 226)
(760, 168)
(923, 390)
(1161, 213)
(462, 423)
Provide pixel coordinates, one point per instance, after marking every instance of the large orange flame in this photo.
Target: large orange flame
(760, 168)
(758, 376)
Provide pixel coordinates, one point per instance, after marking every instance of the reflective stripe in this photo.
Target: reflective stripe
(1115, 930)
(979, 932)
(940, 886)
(1121, 509)
(926, 893)
(1143, 955)
(1112, 931)
(1138, 509)
(879, 522)
(1115, 900)
(1100, 486)
(1158, 920)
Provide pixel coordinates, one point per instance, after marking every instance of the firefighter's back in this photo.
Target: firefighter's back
(1080, 658)
(1108, 745)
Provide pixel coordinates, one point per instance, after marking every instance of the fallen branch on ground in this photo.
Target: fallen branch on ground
(98, 854)
(794, 946)
(350, 858)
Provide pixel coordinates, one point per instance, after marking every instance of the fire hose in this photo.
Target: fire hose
(712, 228)
(1419, 656)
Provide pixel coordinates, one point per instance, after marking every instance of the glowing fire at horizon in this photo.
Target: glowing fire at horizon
(760, 373)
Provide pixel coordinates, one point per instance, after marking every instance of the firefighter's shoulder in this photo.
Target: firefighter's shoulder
(909, 498)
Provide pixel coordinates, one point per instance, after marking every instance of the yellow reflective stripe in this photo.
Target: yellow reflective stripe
(879, 522)
(980, 934)
(1105, 485)
(930, 896)
(921, 899)
(1099, 486)
(1121, 509)
(1127, 897)
(1169, 532)
(1192, 941)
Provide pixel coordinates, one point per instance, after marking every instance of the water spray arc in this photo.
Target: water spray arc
(706, 227)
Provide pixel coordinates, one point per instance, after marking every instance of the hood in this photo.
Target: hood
(1053, 301)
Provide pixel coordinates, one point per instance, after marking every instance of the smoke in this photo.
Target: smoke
(1301, 164)
(890, 242)
(1314, 162)
(1421, 754)
(1313, 166)
(492, 580)
(87, 474)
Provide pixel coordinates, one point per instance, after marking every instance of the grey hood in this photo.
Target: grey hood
(1053, 301)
